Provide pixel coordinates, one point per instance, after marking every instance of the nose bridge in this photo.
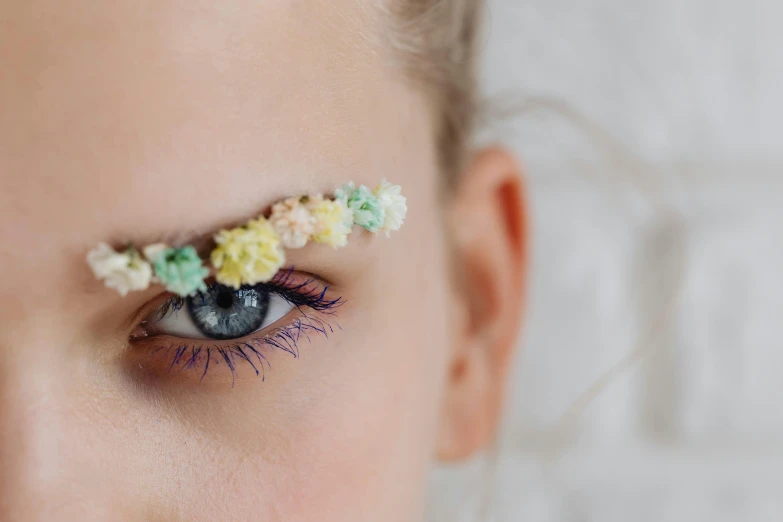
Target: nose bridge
(30, 442)
(42, 472)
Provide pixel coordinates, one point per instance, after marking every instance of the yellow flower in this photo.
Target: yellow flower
(333, 221)
(247, 255)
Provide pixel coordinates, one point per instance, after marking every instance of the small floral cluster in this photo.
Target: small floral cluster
(254, 252)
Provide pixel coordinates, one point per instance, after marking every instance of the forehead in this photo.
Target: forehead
(127, 115)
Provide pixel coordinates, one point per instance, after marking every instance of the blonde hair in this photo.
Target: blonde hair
(437, 42)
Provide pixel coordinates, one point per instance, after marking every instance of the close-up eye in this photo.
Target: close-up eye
(224, 326)
(222, 312)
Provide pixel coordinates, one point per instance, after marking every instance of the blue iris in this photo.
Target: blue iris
(224, 313)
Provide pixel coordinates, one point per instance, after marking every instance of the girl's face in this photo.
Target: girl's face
(130, 121)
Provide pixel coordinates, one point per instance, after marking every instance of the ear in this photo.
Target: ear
(489, 227)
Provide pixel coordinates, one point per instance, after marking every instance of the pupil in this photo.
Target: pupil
(225, 299)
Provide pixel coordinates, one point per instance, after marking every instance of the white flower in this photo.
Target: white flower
(394, 204)
(122, 271)
(293, 222)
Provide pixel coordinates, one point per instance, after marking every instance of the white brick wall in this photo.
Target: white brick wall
(651, 379)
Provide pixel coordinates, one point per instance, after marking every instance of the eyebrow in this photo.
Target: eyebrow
(202, 240)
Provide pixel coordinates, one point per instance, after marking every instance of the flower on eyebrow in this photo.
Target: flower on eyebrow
(123, 272)
(254, 252)
(333, 221)
(394, 204)
(367, 209)
(247, 255)
(293, 222)
(180, 270)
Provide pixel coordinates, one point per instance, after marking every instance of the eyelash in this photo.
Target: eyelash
(303, 296)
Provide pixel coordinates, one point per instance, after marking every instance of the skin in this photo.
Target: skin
(126, 121)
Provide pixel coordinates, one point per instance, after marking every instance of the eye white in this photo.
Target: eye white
(179, 323)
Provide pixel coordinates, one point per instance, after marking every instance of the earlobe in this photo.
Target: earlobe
(488, 221)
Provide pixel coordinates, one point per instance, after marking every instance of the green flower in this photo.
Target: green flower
(368, 212)
(179, 269)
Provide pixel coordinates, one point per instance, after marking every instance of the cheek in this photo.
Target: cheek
(373, 429)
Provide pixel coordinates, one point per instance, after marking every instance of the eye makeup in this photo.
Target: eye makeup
(231, 328)
(251, 305)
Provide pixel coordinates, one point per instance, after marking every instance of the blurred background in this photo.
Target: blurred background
(648, 383)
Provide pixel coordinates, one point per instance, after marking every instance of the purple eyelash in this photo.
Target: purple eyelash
(304, 297)
(305, 294)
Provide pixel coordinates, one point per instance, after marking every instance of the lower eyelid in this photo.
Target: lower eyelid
(164, 358)
(172, 360)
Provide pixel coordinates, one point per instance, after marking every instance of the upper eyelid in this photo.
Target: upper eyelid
(148, 312)
(162, 297)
